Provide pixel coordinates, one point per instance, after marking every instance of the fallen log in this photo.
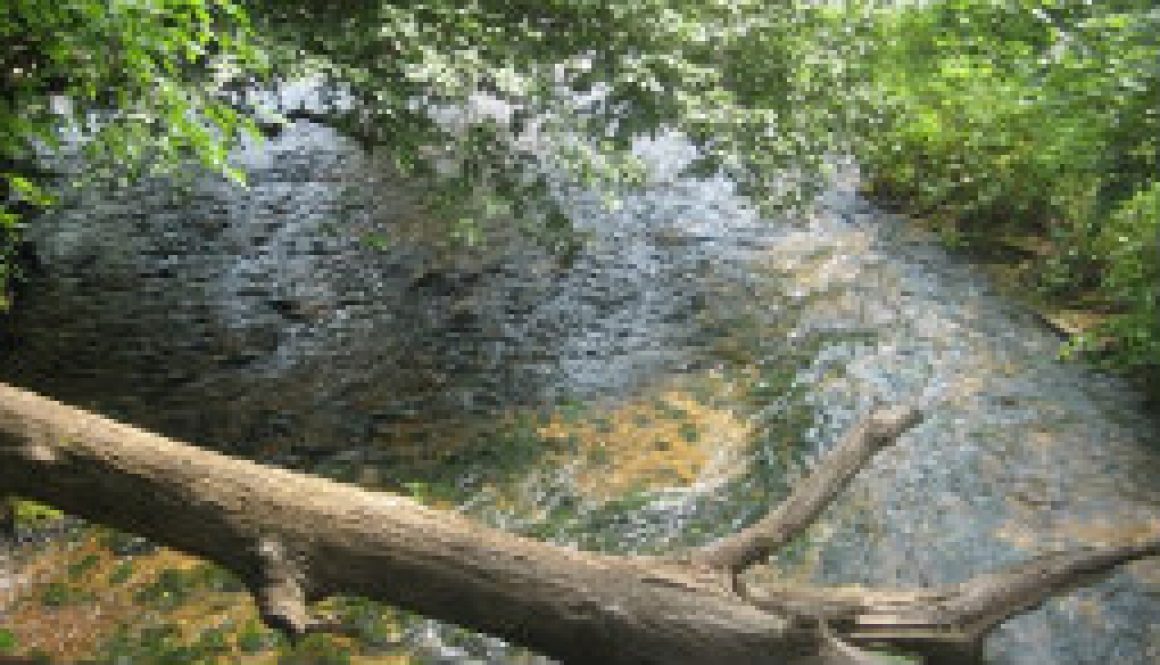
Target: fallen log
(294, 539)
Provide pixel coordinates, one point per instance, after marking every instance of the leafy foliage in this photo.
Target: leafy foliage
(1129, 243)
(1032, 117)
(8, 641)
(470, 94)
(990, 116)
(135, 83)
(149, 83)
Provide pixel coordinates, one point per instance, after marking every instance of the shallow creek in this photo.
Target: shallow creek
(661, 386)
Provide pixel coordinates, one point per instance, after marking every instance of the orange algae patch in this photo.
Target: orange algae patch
(665, 439)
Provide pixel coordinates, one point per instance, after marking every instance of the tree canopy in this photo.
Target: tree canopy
(136, 82)
(1035, 116)
(752, 84)
(1029, 119)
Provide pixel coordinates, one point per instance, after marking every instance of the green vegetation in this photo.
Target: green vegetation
(255, 637)
(749, 81)
(122, 573)
(991, 118)
(1035, 119)
(135, 83)
(174, 587)
(165, 645)
(32, 514)
(7, 641)
(316, 650)
(78, 570)
(58, 594)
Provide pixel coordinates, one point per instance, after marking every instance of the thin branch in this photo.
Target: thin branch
(809, 497)
(947, 625)
(988, 600)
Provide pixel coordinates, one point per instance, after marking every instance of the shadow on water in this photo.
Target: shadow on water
(659, 389)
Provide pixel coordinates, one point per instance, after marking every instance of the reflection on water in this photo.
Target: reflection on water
(659, 388)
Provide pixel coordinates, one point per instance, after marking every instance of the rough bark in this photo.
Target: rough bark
(295, 538)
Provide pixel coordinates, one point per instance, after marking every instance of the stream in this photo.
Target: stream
(662, 386)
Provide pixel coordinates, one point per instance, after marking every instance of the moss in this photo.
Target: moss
(571, 412)
(689, 432)
(215, 578)
(78, 569)
(254, 638)
(8, 641)
(316, 650)
(38, 657)
(171, 588)
(123, 543)
(121, 574)
(373, 624)
(32, 514)
(59, 594)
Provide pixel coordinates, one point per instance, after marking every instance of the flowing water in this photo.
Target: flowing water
(661, 386)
